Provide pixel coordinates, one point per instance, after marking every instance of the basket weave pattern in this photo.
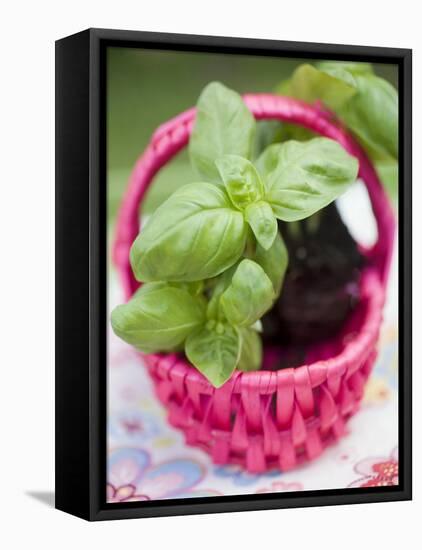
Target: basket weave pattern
(268, 418)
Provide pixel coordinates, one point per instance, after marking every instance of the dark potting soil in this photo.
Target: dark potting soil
(320, 287)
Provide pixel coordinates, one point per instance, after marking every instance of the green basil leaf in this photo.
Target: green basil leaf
(214, 351)
(372, 114)
(353, 68)
(303, 177)
(219, 285)
(310, 84)
(195, 234)
(223, 125)
(213, 308)
(241, 179)
(274, 262)
(158, 317)
(249, 295)
(251, 352)
(195, 288)
(260, 217)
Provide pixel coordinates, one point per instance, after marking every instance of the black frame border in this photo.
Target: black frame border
(81, 260)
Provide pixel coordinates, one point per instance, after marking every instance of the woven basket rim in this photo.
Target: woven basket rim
(349, 359)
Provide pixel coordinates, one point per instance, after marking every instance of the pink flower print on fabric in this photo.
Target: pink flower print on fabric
(378, 472)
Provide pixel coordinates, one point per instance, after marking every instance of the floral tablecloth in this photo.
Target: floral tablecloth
(148, 459)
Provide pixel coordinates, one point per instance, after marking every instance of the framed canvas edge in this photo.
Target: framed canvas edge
(95, 446)
(72, 297)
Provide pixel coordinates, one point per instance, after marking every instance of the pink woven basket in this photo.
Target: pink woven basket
(268, 419)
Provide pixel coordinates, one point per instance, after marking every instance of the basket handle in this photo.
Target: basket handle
(173, 135)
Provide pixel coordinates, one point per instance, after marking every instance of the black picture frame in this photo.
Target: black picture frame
(81, 273)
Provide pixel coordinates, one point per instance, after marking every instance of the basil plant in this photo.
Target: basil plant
(211, 257)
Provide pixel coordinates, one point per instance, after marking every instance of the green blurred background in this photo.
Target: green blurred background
(147, 87)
